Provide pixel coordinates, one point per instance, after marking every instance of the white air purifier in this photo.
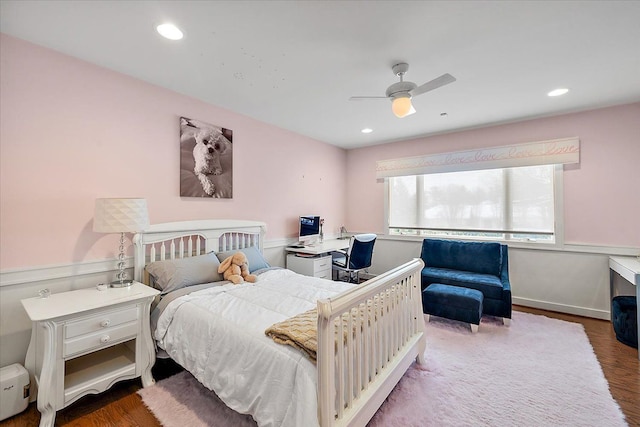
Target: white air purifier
(14, 390)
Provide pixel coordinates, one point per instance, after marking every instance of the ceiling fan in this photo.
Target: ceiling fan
(401, 92)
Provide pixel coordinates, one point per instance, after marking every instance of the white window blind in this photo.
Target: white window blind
(514, 201)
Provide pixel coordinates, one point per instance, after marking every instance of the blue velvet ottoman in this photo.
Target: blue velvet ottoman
(453, 302)
(624, 312)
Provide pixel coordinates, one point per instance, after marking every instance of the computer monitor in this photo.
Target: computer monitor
(309, 229)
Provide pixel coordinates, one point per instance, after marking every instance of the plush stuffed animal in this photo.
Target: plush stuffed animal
(235, 268)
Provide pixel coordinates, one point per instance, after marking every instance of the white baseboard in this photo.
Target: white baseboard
(562, 308)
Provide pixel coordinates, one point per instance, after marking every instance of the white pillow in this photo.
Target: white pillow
(170, 275)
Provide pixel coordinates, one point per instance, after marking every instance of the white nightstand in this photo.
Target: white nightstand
(84, 341)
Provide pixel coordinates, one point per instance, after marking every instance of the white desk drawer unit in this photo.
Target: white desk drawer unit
(310, 266)
(84, 341)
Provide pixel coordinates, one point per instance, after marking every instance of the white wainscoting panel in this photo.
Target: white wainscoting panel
(15, 327)
(569, 281)
(18, 284)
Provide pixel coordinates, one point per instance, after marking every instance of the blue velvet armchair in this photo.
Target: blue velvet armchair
(483, 266)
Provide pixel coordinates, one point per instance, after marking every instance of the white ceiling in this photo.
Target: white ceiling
(295, 64)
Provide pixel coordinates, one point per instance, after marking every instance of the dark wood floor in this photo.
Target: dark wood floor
(122, 407)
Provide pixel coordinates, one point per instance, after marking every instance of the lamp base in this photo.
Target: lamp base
(121, 283)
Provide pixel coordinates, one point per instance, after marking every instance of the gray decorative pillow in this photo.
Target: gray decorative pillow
(170, 275)
(254, 257)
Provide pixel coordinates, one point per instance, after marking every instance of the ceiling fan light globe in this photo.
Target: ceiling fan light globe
(169, 31)
(401, 106)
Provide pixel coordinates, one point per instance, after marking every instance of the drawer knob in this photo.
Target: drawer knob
(105, 338)
(105, 323)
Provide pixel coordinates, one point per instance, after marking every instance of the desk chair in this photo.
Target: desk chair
(356, 258)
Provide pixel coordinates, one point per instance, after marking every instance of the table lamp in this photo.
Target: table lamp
(120, 216)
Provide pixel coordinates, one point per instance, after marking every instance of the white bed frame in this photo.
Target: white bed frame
(356, 375)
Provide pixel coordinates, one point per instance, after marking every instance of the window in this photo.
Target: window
(507, 204)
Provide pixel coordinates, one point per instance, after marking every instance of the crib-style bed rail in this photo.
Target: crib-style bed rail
(176, 240)
(384, 334)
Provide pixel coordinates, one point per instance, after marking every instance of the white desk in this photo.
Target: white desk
(314, 260)
(325, 247)
(628, 268)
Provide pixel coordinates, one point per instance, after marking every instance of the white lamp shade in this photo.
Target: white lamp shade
(120, 215)
(402, 106)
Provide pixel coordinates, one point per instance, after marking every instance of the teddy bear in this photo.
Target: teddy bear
(235, 268)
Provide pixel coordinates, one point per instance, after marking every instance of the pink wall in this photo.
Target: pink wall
(71, 132)
(601, 194)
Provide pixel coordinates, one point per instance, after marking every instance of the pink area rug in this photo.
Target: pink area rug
(537, 372)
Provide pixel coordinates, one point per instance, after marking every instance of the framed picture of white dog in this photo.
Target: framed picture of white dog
(206, 154)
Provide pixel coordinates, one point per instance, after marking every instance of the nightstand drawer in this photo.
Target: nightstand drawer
(103, 338)
(100, 322)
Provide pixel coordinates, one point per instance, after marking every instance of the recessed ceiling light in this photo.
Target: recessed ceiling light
(366, 130)
(558, 92)
(169, 31)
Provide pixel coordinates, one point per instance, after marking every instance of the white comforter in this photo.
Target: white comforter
(218, 335)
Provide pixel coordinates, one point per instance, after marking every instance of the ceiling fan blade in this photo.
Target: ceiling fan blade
(364, 98)
(444, 79)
